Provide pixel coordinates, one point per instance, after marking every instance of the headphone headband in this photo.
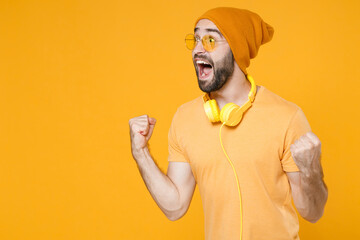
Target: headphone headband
(252, 92)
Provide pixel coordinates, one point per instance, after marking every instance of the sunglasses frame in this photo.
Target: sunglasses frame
(203, 39)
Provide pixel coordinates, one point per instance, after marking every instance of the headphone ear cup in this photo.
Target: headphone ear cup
(212, 110)
(231, 114)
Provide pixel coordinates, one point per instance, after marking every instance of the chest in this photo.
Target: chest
(251, 150)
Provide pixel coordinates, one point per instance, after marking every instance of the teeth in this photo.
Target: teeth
(201, 62)
(203, 74)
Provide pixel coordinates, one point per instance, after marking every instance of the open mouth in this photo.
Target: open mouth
(205, 69)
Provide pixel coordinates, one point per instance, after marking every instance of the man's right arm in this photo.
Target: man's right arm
(172, 192)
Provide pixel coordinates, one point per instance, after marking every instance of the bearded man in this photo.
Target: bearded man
(250, 151)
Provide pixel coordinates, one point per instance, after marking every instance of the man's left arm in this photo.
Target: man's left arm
(308, 188)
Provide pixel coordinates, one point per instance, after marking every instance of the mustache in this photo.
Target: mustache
(205, 58)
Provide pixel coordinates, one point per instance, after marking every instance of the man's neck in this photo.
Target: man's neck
(235, 90)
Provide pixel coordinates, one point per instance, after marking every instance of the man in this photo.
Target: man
(274, 154)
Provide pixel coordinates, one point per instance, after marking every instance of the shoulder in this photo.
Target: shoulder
(190, 108)
(186, 116)
(276, 104)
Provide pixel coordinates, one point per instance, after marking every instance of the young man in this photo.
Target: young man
(248, 174)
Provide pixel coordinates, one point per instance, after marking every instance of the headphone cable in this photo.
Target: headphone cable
(237, 181)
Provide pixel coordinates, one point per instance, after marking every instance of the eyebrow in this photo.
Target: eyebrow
(211, 30)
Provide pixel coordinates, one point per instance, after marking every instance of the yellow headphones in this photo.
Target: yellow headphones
(231, 114)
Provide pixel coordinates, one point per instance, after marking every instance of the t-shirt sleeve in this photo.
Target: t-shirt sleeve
(298, 126)
(176, 153)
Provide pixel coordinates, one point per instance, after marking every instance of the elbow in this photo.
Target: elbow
(175, 208)
(315, 213)
(175, 214)
(314, 219)
(320, 213)
(173, 217)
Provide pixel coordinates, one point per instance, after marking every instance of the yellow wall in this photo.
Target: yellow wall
(72, 73)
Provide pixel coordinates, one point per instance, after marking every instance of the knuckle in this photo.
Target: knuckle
(318, 142)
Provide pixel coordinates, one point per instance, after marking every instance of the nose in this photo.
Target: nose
(199, 48)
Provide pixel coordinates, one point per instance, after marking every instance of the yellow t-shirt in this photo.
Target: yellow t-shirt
(259, 148)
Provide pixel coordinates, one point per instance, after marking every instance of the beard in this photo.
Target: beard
(222, 70)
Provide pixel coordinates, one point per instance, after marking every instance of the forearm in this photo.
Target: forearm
(313, 196)
(308, 187)
(160, 186)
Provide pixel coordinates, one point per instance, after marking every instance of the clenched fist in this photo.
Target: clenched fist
(141, 129)
(306, 153)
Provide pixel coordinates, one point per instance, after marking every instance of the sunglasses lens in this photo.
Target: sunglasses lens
(208, 43)
(190, 41)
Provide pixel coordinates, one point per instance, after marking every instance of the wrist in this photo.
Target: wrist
(139, 153)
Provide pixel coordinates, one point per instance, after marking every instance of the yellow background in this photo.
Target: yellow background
(72, 73)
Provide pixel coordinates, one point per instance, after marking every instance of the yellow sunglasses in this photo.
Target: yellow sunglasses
(209, 43)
